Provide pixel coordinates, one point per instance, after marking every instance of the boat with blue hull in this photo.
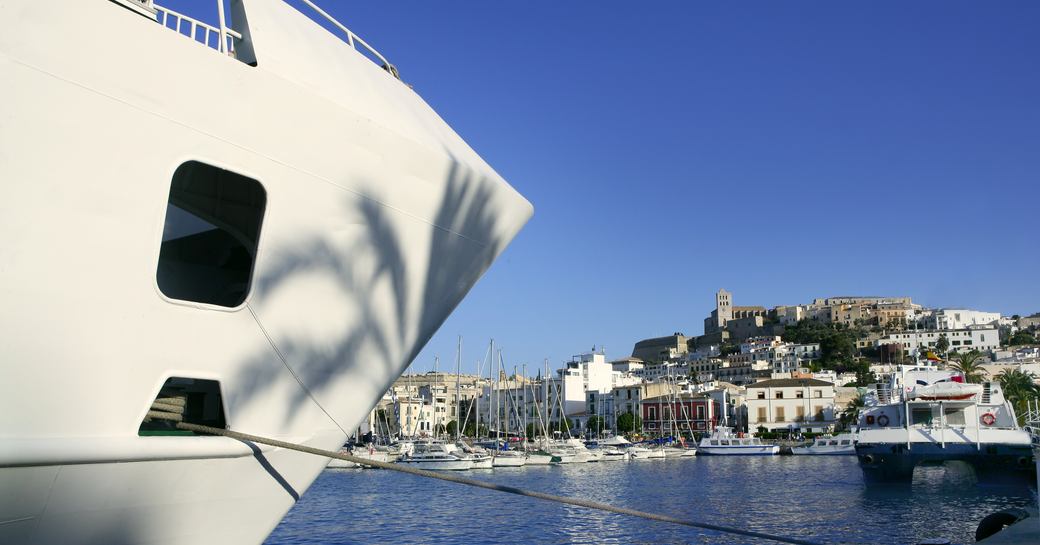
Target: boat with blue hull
(925, 416)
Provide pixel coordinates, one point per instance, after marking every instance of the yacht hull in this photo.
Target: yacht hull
(378, 220)
(992, 462)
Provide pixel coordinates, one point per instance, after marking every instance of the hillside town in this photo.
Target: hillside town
(783, 370)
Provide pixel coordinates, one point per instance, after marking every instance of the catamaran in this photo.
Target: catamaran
(246, 220)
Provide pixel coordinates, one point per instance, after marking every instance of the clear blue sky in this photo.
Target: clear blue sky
(782, 150)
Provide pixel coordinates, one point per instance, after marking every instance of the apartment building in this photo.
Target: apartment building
(802, 404)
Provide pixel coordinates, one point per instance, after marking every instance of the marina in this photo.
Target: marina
(242, 237)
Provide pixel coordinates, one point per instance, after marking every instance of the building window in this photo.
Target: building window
(819, 393)
(700, 412)
(780, 414)
(211, 235)
(799, 394)
(761, 414)
(780, 394)
(762, 395)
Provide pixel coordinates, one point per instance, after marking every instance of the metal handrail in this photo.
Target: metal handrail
(223, 32)
(353, 40)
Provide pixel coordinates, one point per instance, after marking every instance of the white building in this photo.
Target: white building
(783, 357)
(586, 372)
(950, 318)
(791, 404)
(917, 342)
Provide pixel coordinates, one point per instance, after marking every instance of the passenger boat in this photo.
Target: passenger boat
(724, 442)
(435, 456)
(256, 224)
(828, 444)
(924, 415)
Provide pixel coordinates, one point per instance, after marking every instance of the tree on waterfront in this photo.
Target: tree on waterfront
(1019, 387)
(595, 424)
(628, 423)
(969, 364)
(452, 427)
(942, 344)
(850, 415)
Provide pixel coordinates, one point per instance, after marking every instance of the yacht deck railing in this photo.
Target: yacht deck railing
(222, 37)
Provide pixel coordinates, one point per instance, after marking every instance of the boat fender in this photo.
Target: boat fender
(868, 459)
(1023, 461)
(882, 420)
(988, 419)
(998, 521)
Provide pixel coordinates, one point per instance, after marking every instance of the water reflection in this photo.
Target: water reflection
(822, 499)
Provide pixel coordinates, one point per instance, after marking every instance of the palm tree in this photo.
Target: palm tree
(850, 415)
(1019, 387)
(969, 364)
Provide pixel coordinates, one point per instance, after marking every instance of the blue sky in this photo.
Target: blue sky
(782, 150)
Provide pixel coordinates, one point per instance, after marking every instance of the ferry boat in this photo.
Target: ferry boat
(829, 445)
(923, 415)
(724, 442)
(256, 223)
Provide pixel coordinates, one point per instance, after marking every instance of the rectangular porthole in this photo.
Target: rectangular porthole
(211, 235)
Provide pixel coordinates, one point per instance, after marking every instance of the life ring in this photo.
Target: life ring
(988, 419)
(882, 420)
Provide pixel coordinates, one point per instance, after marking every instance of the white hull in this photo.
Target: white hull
(640, 453)
(559, 457)
(378, 220)
(438, 465)
(342, 464)
(537, 459)
(848, 450)
(509, 461)
(761, 450)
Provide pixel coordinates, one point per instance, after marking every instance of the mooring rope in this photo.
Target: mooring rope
(589, 504)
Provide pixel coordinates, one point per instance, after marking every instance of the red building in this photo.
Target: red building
(679, 413)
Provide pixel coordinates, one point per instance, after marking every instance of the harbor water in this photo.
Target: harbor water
(822, 499)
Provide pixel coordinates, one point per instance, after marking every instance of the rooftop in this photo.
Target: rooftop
(789, 382)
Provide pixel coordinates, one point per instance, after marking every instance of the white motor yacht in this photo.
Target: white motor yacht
(724, 442)
(435, 456)
(480, 457)
(509, 458)
(842, 444)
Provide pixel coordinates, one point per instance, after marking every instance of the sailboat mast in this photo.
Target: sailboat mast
(458, 390)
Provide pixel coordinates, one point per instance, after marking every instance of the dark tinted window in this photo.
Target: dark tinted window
(210, 237)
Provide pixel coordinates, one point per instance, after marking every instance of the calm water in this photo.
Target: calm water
(818, 498)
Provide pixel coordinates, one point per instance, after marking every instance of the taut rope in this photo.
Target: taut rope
(180, 424)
